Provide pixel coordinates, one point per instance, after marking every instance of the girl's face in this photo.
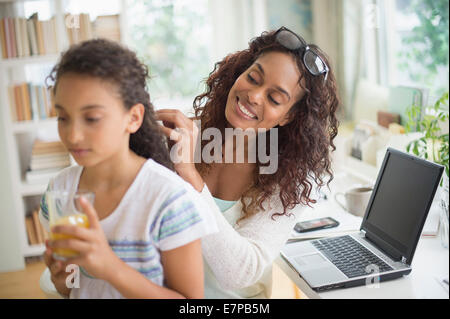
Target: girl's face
(263, 95)
(93, 123)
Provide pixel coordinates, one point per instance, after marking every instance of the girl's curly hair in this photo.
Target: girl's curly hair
(304, 144)
(109, 61)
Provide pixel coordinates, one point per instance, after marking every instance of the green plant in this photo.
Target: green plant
(434, 144)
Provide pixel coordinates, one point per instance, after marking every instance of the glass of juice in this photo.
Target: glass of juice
(64, 209)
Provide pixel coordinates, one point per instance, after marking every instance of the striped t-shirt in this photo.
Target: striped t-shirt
(158, 212)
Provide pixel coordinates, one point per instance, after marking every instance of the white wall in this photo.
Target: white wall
(10, 247)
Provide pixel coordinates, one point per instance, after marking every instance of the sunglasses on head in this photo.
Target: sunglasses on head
(293, 42)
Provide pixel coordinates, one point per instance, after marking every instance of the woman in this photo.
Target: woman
(279, 83)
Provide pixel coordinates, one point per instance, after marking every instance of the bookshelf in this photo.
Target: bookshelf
(17, 62)
(20, 134)
(31, 126)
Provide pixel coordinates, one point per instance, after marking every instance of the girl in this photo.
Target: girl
(278, 83)
(146, 222)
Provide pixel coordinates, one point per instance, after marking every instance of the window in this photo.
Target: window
(173, 38)
(417, 44)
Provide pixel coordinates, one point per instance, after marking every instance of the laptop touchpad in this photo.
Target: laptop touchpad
(310, 259)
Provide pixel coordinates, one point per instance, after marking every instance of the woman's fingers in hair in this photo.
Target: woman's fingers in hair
(174, 118)
(174, 123)
(172, 134)
(168, 124)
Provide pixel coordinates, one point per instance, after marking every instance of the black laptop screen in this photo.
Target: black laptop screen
(401, 200)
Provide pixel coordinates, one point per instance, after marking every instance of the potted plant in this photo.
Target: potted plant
(433, 145)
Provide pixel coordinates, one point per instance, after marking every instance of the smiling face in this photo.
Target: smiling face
(263, 95)
(93, 123)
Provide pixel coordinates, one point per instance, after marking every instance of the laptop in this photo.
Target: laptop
(384, 247)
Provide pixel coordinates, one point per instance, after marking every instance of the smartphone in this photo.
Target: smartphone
(316, 224)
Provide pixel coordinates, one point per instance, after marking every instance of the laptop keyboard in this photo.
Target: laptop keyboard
(350, 257)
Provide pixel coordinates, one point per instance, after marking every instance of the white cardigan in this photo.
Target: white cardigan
(238, 259)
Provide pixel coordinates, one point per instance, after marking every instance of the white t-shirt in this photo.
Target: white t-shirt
(159, 212)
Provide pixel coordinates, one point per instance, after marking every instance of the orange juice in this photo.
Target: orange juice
(79, 220)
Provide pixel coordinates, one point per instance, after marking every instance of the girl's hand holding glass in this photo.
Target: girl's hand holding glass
(57, 268)
(95, 254)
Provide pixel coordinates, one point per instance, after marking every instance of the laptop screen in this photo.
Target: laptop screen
(401, 200)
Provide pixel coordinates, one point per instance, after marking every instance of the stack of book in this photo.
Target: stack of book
(35, 232)
(30, 102)
(21, 37)
(47, 159)
(107, 27)
(80, 28)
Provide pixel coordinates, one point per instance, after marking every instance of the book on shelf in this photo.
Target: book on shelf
(30, 102)
(31, 232)
(21, 37)
(56, 156)
(8, 37)
(107, 27)
(50, 162)
(47, 160)
(3, 39)
(26, 101)
(12, 36)
(37, 226)
(41, 176)
(35, 231)
(48, 147)
(39, 33)
(31, 34)
(80, 28)
(23, 44)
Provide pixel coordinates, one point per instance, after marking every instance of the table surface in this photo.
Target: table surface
(429, 266)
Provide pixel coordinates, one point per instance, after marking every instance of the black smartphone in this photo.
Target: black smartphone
(316, 224)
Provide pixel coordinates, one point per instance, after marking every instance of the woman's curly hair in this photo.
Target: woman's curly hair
(304, 144)
(111, 62)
